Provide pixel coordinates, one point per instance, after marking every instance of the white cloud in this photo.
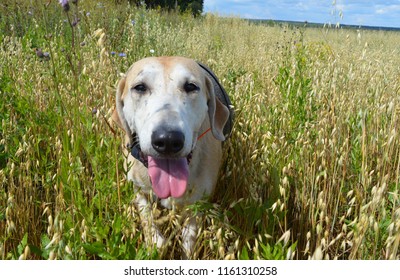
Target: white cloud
(382, 9)
(366, 12)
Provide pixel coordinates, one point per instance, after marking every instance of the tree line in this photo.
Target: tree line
(193, 6)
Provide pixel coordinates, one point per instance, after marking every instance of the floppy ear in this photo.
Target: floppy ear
(118, 114)
(217, 112)
(116, 119)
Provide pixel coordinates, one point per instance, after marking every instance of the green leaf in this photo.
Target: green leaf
(244, 255)
(94, 248)
(22, 244)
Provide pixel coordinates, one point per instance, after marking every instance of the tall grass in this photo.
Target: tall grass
(311, 171)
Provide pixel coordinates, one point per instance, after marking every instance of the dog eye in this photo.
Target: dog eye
(140, 88)
(190, 87)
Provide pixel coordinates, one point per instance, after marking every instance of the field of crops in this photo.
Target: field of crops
(311, 171)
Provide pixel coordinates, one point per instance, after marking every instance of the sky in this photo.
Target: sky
(385, 13)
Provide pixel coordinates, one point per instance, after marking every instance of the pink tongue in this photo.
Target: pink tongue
(168, 176)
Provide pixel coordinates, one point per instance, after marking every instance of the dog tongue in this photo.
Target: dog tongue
(168, 176)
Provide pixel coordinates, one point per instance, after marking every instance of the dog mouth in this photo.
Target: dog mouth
(138, 154)
(169, 176)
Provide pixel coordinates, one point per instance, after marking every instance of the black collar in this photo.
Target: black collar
(136, 152)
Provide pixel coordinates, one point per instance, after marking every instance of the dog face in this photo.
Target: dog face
(166, 101)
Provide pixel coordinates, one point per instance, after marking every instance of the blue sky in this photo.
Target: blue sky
(356, 12)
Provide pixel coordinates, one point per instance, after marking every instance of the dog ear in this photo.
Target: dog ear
(116, 119)
(217, 112)
(118, 114)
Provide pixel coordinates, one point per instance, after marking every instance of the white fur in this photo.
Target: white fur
(166, 103)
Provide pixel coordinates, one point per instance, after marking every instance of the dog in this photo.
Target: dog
(174, 125)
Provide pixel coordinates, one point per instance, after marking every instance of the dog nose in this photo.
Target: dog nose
(167, 142)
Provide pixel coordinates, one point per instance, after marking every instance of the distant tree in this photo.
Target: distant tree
(133, 2)
(164, 4)
(193, 6)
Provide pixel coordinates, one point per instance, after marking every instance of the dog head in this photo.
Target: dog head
(165, 102)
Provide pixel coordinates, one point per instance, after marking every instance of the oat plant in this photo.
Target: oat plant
(311, 171)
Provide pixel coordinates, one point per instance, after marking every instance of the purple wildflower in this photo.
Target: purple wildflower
(64, 4)
(76, 21)
(113, 53)
(122, 54)
(42, 55)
